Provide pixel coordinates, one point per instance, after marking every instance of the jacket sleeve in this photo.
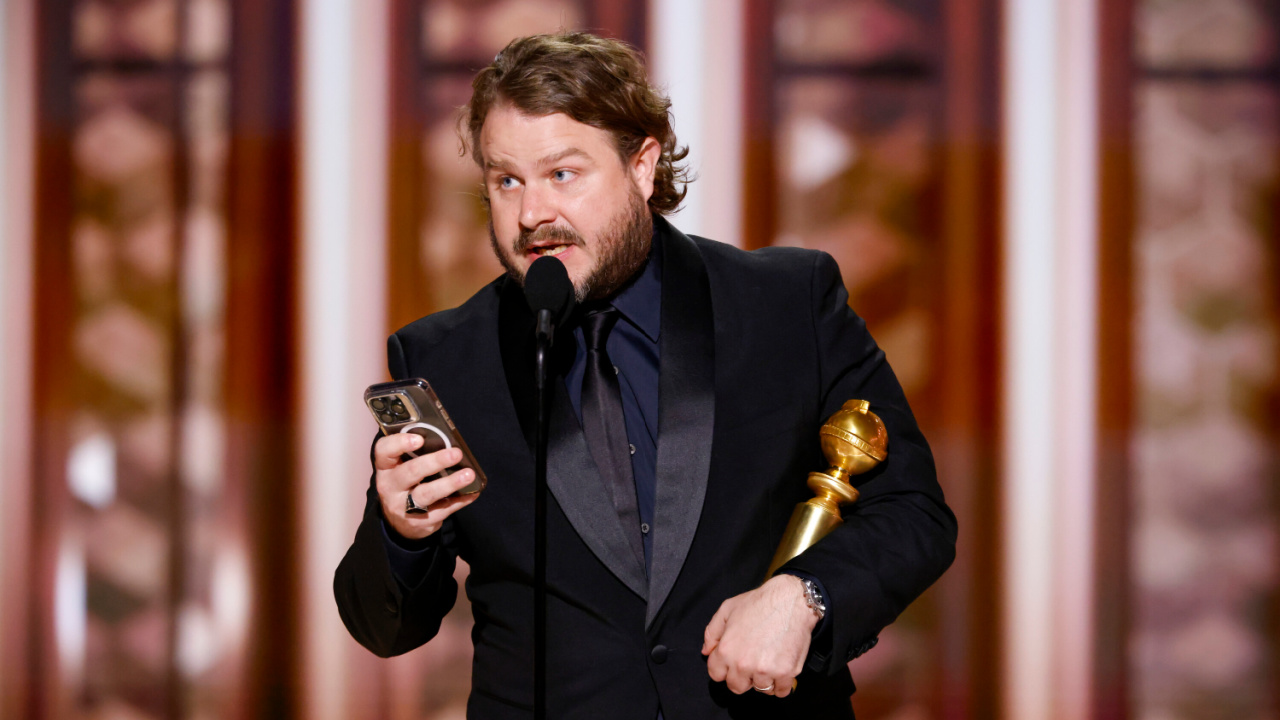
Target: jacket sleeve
(382, 614)
(899, 537)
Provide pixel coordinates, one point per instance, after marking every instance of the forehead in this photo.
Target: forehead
(509, 135)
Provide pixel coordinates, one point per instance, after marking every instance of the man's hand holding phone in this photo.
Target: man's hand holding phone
(400, 485)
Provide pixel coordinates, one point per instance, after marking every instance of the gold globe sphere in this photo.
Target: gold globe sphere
(854, 440)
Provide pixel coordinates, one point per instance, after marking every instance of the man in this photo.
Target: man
(695, 378)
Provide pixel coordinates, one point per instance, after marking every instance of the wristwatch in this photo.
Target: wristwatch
(813, 598)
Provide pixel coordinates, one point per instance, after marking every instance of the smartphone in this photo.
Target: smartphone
(411, 406)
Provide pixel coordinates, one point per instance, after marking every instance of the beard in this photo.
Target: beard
(623, 246)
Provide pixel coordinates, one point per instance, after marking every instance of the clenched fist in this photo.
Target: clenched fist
(759, 639)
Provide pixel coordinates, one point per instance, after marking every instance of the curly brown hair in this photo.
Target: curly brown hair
(597, 81)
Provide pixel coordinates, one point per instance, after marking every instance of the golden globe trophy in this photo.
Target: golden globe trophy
(854, 440)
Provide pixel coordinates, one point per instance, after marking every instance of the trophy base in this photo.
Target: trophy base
(810, 522)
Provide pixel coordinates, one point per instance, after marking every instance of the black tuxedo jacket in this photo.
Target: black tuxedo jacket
(757, 350)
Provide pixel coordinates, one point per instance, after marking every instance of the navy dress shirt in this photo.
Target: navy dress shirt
(633, 349)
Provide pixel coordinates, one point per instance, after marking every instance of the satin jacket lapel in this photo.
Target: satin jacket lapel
(686, 391)
(577, 486)
(572, 477)
(515, 342)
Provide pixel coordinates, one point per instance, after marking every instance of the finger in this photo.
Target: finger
(411, 473)
(784, 687)
(388, 449)
(717, 668)
(429, 493)
(394, 499)
(444, 507)
(738, 681)
(428, 523)
(715, 630)
(764, 686)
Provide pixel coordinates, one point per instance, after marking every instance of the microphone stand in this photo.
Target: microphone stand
(544, 340)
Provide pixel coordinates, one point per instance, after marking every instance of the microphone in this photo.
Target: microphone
(549, 292)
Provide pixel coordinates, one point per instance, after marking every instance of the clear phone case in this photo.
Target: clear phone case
(410, 406)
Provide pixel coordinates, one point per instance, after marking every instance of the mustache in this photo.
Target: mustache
(553, 233)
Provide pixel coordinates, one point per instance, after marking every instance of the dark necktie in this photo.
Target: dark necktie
(604, 426)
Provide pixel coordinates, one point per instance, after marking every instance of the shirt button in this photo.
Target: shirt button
(632, 447)
(644, 528)
(658, 654)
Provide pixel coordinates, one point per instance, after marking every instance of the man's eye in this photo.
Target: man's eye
(506, 183)
(562, 175)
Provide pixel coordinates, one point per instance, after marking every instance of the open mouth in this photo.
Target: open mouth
(549, 250)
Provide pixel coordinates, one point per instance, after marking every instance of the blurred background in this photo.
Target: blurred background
(1059, 218)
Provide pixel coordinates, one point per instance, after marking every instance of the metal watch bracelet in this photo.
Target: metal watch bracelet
(813, 598)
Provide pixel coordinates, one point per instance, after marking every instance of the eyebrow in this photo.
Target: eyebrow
(542, 162)
(494, 165)
(557, 157)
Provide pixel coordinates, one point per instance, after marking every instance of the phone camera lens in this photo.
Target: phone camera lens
(378, 404)
(384, 417)
(397, 405)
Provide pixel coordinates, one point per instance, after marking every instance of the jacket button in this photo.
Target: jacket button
(393, 605)
(658, 654)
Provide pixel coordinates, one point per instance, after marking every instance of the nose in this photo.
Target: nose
(536, 207)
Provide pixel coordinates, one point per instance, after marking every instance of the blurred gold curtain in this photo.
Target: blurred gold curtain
(1190, 299)
(162, 556)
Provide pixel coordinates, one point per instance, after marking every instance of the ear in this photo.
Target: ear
(643, 166)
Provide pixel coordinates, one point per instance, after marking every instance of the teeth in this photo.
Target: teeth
(551, 251)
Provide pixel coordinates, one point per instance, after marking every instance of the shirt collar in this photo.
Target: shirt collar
(640, 302)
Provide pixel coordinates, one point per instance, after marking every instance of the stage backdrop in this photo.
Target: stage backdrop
(1190, 304)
